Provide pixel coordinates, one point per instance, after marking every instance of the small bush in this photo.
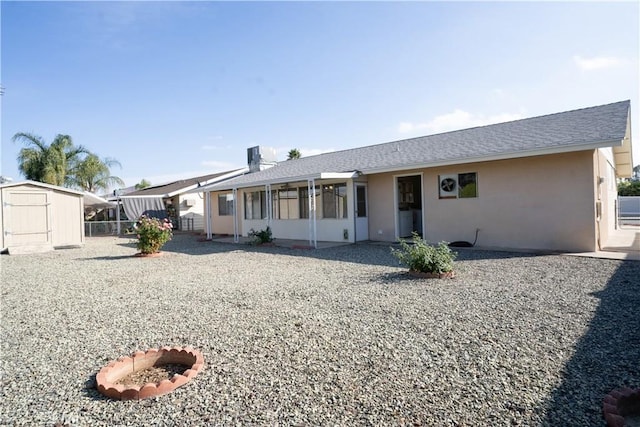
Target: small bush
(629, 188)
(422, 257)
(152, 234)
(261, 237)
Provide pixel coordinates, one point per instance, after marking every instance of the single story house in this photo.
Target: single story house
(179, 200)
(542, 183)
(38, 217)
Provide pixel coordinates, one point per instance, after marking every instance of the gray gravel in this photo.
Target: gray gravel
(338, 336)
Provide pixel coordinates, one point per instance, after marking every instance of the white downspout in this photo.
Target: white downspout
(269, 203)
(236, 239)
(355, 212)
(118, 212)
(209, 213)
(311, 188)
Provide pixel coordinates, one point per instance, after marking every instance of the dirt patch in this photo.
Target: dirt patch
(155, 374)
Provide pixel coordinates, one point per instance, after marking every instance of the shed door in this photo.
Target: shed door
(27, 221)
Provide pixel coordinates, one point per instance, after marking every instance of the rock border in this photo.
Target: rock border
(108, 376)
(621, 403)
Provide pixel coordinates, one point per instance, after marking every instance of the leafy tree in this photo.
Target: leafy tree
(294, 153)
(93, 174)
(629, 188)
(142, 184)
(51, 164)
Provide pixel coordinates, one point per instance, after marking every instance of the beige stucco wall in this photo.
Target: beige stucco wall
(381, 207)
(542, 202)
(220, 224)
(605, 193)
(191, 215)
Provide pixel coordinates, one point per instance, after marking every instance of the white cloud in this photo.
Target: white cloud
(406, 127)
(597, 62)
(216, 147)
(499, 93)
(458, 119)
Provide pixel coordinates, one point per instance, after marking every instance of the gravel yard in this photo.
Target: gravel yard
(336, 336)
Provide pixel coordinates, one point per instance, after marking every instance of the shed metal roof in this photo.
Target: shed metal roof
(42, 185)
(576, 130)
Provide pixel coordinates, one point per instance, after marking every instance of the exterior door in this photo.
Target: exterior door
(409, 205)
(362, 214)
(27, 221)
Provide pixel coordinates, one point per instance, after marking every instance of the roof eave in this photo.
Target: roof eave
(141, 197)
(323, 175)
(623, 154)
(206, 188)
(42, 184)
(501, 156)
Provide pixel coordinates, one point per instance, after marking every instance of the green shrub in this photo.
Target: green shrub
(629, 188)
(152, 234)
(422, 257)
(262, 236)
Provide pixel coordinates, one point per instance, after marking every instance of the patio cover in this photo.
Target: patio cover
(135, 207)
(93, 201)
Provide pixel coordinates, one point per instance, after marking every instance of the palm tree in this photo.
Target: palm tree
(51, 164)
(294, 153)
(142, 184)
(93, 174)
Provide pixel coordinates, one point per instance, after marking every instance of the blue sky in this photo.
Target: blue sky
(179, 89)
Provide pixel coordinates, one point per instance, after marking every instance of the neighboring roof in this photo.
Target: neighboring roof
(181, 186)
(91, 200)
(42, 185)
(576, 130)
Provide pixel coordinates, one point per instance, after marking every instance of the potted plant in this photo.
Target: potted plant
(152, 234)
(425, 260)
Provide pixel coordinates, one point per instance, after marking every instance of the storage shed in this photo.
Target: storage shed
(38, 217)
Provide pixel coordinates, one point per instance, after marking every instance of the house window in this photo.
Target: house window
(361, 201)
(285, 204)
(255, 205)
(225, 204)
(458, 186)
(467, 186)
(303, 200)
(334, 200)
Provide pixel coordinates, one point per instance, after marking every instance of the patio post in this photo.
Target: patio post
(236, 238)
(311, 190)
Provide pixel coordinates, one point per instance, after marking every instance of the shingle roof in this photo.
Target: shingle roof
(175, 186)
(574, 130)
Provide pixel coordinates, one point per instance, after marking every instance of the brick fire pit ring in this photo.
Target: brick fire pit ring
(620, 405)
(108, 377)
